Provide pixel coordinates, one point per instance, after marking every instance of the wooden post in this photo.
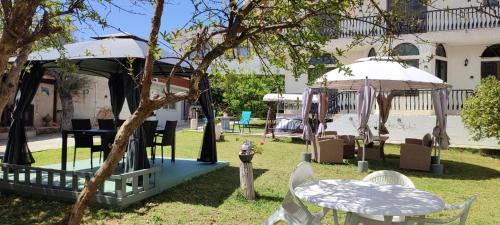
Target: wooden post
(246, 180)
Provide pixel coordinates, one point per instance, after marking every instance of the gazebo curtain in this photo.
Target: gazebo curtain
(366, 96)
(307, 133)
(117, 95)
(322, 111)
(137, 157)
(440, 102)
(384, 103)
(209, 148)
(17, 151)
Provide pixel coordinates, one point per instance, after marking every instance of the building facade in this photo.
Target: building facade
(454, 40)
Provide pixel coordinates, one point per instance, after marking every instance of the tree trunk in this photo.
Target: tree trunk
(75, 215)
(246, 180)
(67, 111)
(145, 109)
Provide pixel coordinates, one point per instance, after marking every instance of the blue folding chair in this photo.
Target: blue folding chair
(205, 120)
(244, 120)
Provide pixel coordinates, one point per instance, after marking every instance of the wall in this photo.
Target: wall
(459, 75)
(405, 125)
(168, 113)
(95, 98)
(88, 102)
(43, 103)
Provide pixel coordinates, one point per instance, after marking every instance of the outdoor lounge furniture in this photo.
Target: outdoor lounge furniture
(244, 121)
(349, 145)
(416, 154)
(167, 139)
(385, 177)
(374, 150)
(106, 140)
(149, 129)
(85, 140)
(461, 215)
(330, 150)
(292, 210)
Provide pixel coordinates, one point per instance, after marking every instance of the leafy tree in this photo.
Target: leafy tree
(32, 24)
(285, 33)
(234, 93)
(481, 112)
(67, 85)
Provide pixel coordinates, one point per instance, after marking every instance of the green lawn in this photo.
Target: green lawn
(215, 198)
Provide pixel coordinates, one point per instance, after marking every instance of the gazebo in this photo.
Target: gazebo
(113, 57)
(369, 75)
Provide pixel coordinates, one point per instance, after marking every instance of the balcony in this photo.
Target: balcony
(427, 21)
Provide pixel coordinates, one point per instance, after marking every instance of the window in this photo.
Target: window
(411, 62)
(410, 15)
(171, 106)
(490, 2)
(372, 53)
(490, 69)
(241, 51)
(319, 66)
(440, 50)
(441, 64)
(405, 49)
(326, 58)
(491, 51)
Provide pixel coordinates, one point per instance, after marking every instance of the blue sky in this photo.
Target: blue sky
(175, 15)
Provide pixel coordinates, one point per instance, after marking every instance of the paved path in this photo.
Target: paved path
(53, 141)
(43, 142)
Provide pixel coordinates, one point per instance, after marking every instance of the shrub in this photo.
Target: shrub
(481, 113)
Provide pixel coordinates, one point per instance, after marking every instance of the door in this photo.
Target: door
(442, 69)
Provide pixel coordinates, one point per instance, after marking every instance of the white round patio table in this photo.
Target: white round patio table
(368, 198)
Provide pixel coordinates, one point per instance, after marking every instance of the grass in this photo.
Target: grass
(215, 198)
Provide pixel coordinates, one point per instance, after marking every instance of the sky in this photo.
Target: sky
(175, 15)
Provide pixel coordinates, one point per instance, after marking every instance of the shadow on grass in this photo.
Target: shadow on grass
(452, 169)
(211, 190)
(23, 210)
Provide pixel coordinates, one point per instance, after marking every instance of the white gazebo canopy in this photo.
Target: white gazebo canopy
(273, 97)
(383, 74)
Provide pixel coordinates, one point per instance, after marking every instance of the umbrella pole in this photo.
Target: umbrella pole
(364, 150)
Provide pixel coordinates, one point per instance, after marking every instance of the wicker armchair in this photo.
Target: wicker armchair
(415, 154)
(330, 150)
(373, 151)
(349, 145)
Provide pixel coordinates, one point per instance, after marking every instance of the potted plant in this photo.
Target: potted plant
(248, 150)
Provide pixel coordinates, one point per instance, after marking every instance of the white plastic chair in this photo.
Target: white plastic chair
(292, 210)
(389, 177)
(461, 216)
(385, 177)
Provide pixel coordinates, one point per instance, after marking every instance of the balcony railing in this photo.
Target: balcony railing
(428, 21)
(421, 100)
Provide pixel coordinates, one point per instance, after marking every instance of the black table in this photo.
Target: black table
(93, 132)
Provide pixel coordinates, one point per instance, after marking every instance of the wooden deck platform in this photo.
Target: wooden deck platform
(120, 190)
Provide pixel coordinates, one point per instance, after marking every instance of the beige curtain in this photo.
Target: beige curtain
(384, 105)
